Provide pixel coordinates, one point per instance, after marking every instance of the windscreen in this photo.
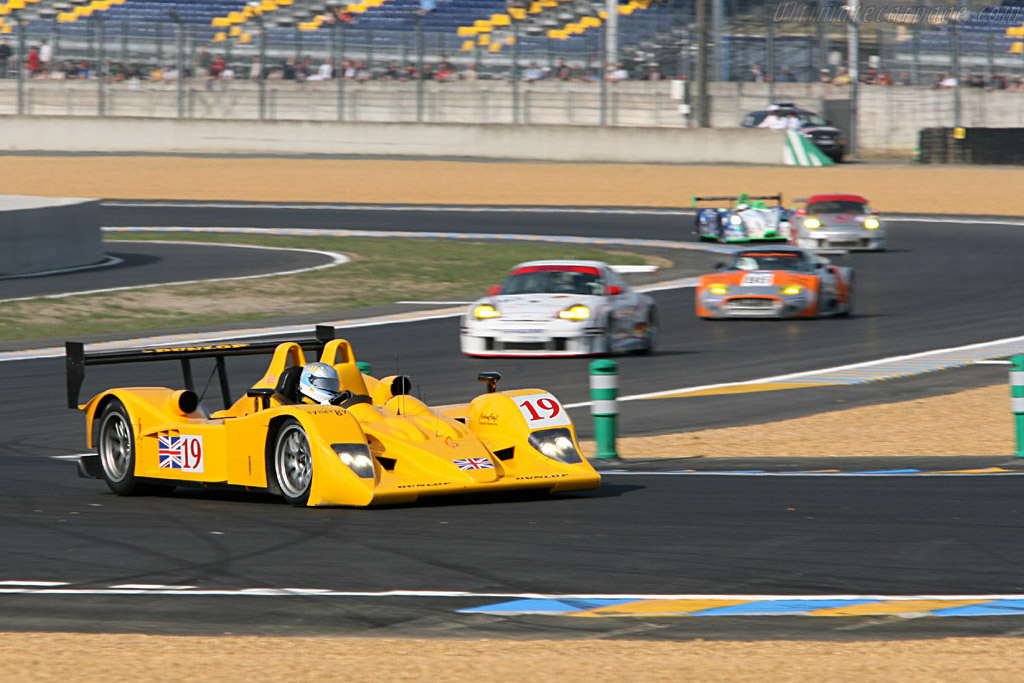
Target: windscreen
(554, 280)
(770, 261)
(837, 206)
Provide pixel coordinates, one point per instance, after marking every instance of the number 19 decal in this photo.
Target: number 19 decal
(542, 410)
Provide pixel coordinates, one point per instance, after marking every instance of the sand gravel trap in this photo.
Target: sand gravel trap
(968, 423)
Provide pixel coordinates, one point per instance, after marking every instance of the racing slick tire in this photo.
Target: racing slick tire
(847, 310)
(291, 462)
(115, 444)
(650, 333)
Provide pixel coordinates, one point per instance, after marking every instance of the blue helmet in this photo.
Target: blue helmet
(319, 382)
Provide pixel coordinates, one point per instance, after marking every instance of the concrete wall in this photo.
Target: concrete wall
(539, 142)
(39, 234)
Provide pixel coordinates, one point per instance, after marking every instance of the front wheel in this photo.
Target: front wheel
(115, 443)
(292, 462)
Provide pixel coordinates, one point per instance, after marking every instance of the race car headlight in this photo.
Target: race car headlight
(871, 223)
(357, 457)
(791, 290)
(812, 223)
(718, 288)
(556, 444)
(735, 220)
(577, 312)
(485, 311)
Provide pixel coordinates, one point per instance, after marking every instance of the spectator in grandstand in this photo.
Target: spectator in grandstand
(32, 63)
(532, 72)
(577, 72)
(255, 69)
(824, 76)
(410, 73)
(902, 79)
(842, 78)
(428, 72)
(446, 72)
(289, 72)
(996, 82)
(619, 73)
(562, 71)
(883, 79)
(589, 76)
(216, 68)
(756, 73)
(203, 60)
(362, 73)
(45, 57)
(947, 81)
(5, 57)
(653, 73)
(469, 73)
(392, 72)
(786, 76)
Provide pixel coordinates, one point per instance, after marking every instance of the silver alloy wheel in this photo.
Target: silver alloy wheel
(293, 462)
(115, 446)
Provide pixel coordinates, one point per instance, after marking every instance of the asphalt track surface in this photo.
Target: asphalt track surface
(936, 287)
(150, 262)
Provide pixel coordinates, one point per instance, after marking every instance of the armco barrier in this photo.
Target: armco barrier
(40, 234)
(532, 142)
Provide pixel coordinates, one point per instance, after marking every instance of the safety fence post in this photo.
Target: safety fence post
(364, 367)
(604, 390)
(1017, 400)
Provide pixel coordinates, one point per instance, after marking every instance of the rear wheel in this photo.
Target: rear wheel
(292, 462)
(650, 332)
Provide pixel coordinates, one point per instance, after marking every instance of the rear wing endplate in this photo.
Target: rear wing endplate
(76, 359)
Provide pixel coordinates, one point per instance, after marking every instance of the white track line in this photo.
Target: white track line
(107, 262)
(823, 371)
(336, 260)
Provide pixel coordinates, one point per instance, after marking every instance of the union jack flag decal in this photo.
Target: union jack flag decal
(170, 452)
(474, 464)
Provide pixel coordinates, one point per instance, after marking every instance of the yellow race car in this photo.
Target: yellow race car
(378, 445)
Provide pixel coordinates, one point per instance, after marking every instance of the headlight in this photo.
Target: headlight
(718, 288)
(871, 223)
(556, 444)
(577, 312)
(812, 223)
(735, 220)
(484, 311)
(357, 457)
(790, 290)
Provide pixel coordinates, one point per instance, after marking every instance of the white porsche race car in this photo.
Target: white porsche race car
(560, 308)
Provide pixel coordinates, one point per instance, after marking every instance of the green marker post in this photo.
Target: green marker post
(1017, 400)
(604, 407)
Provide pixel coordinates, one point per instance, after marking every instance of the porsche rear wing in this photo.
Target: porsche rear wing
(76, 359)
(777, 198)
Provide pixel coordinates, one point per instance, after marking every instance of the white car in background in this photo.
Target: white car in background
(560, 308)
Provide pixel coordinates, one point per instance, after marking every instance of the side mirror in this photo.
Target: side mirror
(494, 290)
(614, 290)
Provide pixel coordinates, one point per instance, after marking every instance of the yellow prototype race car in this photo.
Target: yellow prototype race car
(378, 444)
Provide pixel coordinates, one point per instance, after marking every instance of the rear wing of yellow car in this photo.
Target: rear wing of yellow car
(76, 359)
(742, 198)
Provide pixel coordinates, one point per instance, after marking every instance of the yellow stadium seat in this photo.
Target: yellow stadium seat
(5, 29)
(500, 20)
(482, 25)
(4, 10)
(236, 18)
(1014, 31)
(219, 37)
(535, 8)
(626, 9)
(235, 31)
(603, 15)
(495, 47)
(268, 5)
(284, 3)
(16, 4)
(1017, 48)
(66, 17)
(517, 13)
(244, 38)
(467, 31)
(467, 46)
(483, 39)
(510, 40)
(556, 34)
(220, 21)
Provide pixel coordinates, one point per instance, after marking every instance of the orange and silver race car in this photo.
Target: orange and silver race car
(776, 282)
(376, 444)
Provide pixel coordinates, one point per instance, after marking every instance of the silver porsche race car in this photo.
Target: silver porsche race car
(837, 221)
(560, 308)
